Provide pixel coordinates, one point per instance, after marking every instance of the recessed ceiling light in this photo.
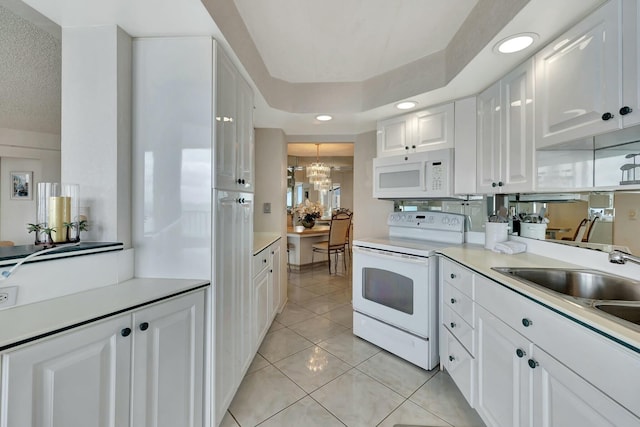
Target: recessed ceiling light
(515, 43)
(323, 117)
(406, 105)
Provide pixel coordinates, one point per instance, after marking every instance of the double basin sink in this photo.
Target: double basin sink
(617, 296)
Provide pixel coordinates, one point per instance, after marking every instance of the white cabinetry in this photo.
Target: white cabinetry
(234, 128)
(580, 76)
(266, 286)
(429, 129)
(457, 337)
(505, 133)
(234, 293)
(147, 365)
(538, 368)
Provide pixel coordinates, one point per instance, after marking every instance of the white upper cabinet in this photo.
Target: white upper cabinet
(429, 129)
(505, 133)
(234, 128)
(579, 80)
(630, 63)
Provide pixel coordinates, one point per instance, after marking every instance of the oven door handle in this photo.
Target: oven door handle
(386, 255)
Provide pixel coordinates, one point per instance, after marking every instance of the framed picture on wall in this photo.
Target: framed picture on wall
(21, 185)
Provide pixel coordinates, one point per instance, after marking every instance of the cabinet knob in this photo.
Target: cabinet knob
(453, 325)
(406, 158)
(493, 184)
(413, 146)
(500, 184)
(520, 353)
(607, 116)
(406, 147)
(453, 276)
(451, 358)
(239, 181)
(125, 332)
(270, 271)
(532, 363)
(264, 260)
(453, 300)
(625, 110)
(144, 326)
(526, 322)
(243, 181)
(272, 252)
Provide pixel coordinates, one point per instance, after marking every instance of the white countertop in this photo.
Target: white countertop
(33, 320)
(262, 239)
(481, 260)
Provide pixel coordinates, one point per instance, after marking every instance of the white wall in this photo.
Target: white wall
(369, 214)
(345, 179)
(96, 126)
(24, 151)
(270, 180)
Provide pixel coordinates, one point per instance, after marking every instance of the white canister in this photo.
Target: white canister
(533, 230)
(495, 232)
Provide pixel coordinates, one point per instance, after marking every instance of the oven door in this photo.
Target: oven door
(395, 288)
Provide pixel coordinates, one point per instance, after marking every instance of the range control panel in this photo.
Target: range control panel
(427, 220)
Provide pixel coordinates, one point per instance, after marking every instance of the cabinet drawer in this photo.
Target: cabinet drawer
(458, 276)
(259, 262)
(458, 328)
(461, 367)
(609, 366)
(458, 302)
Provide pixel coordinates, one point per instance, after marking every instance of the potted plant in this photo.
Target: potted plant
(35, 228)
(47, 232)
(308, 212)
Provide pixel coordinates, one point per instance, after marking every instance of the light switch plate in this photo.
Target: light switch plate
(266, 207)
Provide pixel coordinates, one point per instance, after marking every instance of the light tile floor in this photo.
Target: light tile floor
(312, 371)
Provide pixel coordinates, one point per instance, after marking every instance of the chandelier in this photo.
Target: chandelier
(318, 173)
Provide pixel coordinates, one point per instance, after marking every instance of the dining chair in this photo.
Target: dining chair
(590, 230)
(580, 231)
(338, 239)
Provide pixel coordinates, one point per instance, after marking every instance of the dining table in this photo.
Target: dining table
(300, 241)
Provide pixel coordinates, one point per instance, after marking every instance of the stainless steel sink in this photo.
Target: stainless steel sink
(630, 313)
(587, 284)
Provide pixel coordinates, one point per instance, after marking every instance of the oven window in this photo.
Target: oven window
(388, 288)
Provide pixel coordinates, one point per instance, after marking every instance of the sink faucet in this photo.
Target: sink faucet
(620, 257)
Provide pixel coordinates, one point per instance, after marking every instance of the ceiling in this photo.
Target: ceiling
(353, 59)
(309, 150)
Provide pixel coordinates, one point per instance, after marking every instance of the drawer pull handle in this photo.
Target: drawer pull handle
(453, 325)
(144, 326)
(125, 332)
(453, 300)
(451, 358)
(532, 363)
(526, 322)
(453, 276)
(520, 353)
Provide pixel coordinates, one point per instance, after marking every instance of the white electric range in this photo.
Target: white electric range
(395, 284)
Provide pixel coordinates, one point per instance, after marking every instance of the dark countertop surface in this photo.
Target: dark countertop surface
(11, 254)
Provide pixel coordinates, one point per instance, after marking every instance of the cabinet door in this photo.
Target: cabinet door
(168, 363)
(226, 300)
(504, 378)
(394, 136)
(517, 150)
(562, 398)
(245, 160)
(226, 120)
(76, 379)
(262, 305)
(631, 62)
(275, 279)
(578, 79)
(488, 156)
(244, 234)
(434, 128)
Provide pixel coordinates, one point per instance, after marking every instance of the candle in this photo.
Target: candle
(59, 214)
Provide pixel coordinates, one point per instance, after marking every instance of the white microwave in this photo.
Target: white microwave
(427, 174)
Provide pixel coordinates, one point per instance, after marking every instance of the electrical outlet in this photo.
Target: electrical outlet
(8, 296)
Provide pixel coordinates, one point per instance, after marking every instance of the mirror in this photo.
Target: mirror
(30, 66)
(474, 209)
(589, 219)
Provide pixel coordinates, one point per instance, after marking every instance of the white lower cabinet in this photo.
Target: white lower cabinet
(143, 368)
(522, 384)
(266, 289)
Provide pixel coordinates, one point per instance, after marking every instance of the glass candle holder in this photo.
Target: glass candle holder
(57, 214)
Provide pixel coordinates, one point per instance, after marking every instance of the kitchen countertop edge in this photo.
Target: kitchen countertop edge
(481, 261)
(30, 322)
(263, 239)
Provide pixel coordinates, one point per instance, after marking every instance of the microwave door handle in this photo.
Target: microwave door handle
(386, 255)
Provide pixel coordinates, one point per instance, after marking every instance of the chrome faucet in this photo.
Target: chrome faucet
(619, 257)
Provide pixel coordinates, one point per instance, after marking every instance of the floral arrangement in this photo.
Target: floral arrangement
(308, 210)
